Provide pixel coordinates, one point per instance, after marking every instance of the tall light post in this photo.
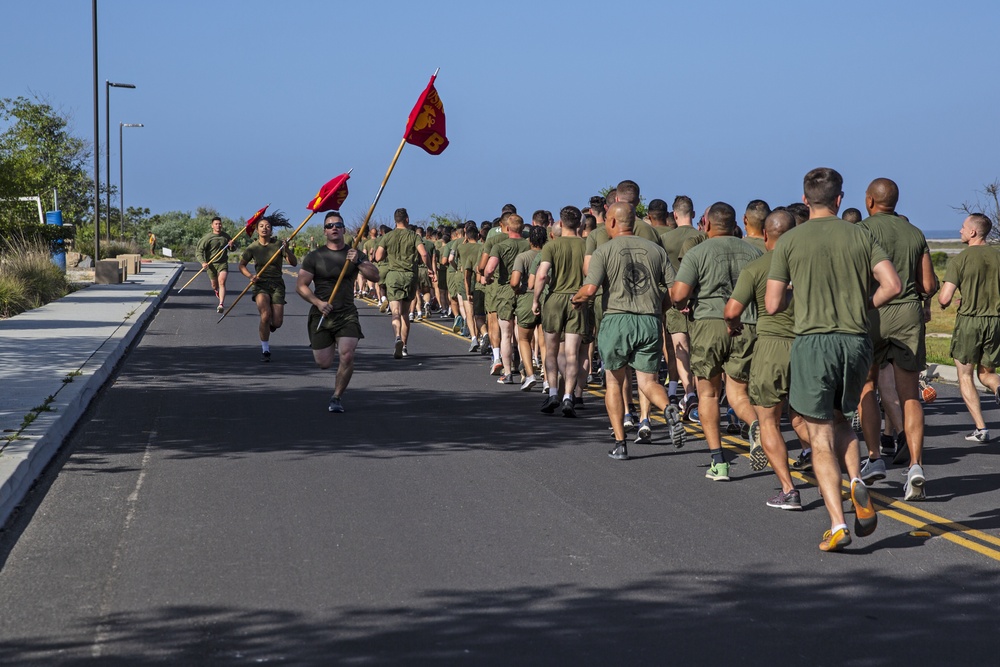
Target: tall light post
(108, 85)
(97, 144)
(121, 172)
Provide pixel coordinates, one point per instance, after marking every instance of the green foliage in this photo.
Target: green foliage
(180, 230)
(450, 220)
(14, 297)
(939, 260)
(37, 155)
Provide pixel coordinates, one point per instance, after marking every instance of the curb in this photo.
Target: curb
(24, 459)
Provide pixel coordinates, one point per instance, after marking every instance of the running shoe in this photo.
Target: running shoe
(620, 452)
(758, 458)
(902, 455)
(578, 403)
(887, 445)
(629, 422)
(419, 317)
(672, 416)
(529, 383)
(567, 408)
(507, 378)
(644, 436)
(265, 357)
(474, 345)
(384, 306)
(550, 404)
(979, 435)
(405, 353)
(397, 352)
(803, 463)
(835, 541)
(411, 316)
(856, 424)
(690, 413)
(786, 501)
(496, 368)
(220, 308)
(335, 405)
(872, 470)
(733, 427)
(915, 480)
(865, 518)
(718, 472)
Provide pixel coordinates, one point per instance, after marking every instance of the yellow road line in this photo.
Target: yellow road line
(899, 510)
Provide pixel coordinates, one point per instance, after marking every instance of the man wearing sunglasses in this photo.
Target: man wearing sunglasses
(341, 328)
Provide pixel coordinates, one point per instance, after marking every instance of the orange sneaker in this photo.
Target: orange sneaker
(835, 541)
(865, 518)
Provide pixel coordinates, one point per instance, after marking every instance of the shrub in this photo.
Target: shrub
(30, 277)
(13, 296)
(939, 260)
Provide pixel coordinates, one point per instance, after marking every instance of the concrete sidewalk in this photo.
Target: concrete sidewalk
(53, 362)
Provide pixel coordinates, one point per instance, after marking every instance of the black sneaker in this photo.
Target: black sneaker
(567, 408)
(550, 404)
(335, 405)
(578, 403)
(887, 445)
(265, 357)
(397, 350)
(803, 463)
(690, 409)
(620, 452)
(902, 455)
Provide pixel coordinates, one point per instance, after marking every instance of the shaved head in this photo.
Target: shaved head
(885, 193)
(778, 222)
(623, 216)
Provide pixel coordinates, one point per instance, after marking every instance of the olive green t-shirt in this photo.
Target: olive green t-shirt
(326, 265)
(506, 250)
(905, 245)
(523, 263)
(466, 257)
(600, 235)
(213, 244)
(829, 263)
(674, 239)
(750, 290)
(260, 255)
(401, 249)
(597, 236)
(565, 254)
(711, 269)
(635, 273)
(976, 273)
(755, 242)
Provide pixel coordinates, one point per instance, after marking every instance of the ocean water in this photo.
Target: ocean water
(941, 234)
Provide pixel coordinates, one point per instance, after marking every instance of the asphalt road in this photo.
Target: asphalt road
(209, 510)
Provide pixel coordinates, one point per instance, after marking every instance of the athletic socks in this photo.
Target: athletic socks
(265, 346)
(717, 456)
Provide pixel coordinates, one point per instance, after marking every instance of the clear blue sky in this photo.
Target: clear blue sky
(247, 102)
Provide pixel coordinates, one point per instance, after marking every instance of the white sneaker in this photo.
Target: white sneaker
(529, 383)
(915, 480)
(979, 435)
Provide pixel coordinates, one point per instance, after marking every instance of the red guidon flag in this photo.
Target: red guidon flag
(425, 126)
(254, 219)
(330, 196)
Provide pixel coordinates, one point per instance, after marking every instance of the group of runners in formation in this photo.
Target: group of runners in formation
(805, 313)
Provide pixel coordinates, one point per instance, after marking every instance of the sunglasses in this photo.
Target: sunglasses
(334, 225)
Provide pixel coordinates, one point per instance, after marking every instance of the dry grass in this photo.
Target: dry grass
(28, 278)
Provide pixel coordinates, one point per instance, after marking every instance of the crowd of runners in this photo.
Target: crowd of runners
(690, 318)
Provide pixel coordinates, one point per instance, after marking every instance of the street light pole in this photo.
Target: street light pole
(108, 85)
(97, 145)
(121, 172)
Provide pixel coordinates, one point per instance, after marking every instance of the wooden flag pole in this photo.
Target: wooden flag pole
(217, 256)
(364, 226)
(273, 257)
